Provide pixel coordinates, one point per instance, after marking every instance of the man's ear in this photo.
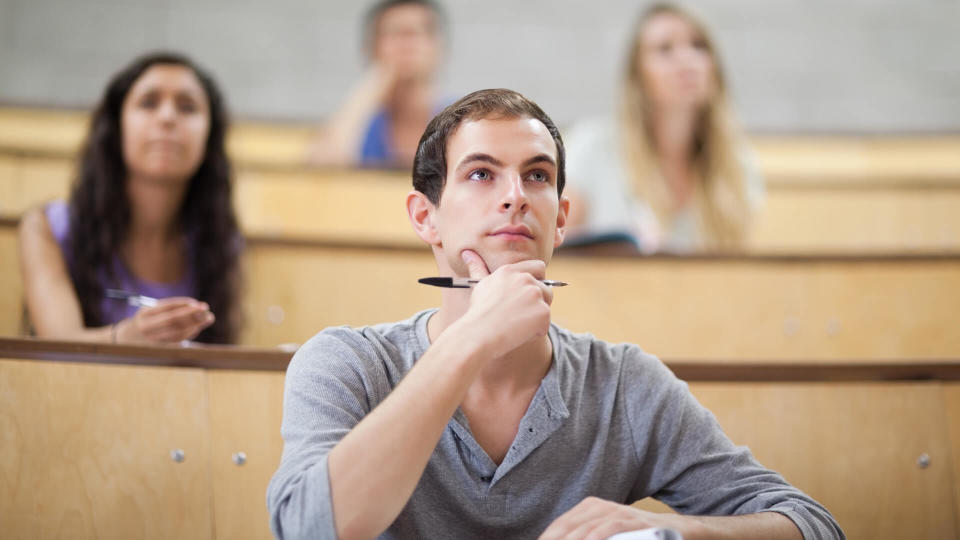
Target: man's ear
(421, 213)
(562, 213)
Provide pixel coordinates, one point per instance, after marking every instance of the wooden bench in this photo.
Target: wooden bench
(367, 207)
(749, 307)
(783, 158)
(89, 430)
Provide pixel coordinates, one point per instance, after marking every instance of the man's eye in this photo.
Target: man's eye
(539, 176)
(480, 174)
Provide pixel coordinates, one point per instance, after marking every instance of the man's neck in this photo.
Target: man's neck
(513, 373)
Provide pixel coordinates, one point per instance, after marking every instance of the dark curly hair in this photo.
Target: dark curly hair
(100, 208)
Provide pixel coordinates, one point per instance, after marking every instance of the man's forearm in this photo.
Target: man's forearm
(375, 468)
(761, 526)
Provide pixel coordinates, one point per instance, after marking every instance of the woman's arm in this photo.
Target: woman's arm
(55, 310)
(338, 142)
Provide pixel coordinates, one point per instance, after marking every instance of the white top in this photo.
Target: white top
(596, 172)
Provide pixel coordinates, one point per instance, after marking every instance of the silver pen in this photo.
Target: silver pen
(132, 298)
(466, 283)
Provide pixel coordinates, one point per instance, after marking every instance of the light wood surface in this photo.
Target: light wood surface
(746, 308)
(367, 207)
(61, 133)
(87, 455)
(859, 160)
(85, 452)
(951, 398)
(853, 447)
(246, 409)
(11, 286)
(677, 308)
(363, 207)
(830, 220)
(782, 158)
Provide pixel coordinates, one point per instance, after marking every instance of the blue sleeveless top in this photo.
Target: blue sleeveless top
(58, 217)
(377, 147)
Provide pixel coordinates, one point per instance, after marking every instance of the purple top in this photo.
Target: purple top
(58, 216)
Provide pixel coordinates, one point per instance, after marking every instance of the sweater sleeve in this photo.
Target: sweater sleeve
(327, 391)
(688, 463)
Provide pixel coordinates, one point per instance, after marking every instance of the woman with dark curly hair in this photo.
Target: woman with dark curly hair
(150, 217)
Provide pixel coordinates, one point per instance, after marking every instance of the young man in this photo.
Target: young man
(480, 419)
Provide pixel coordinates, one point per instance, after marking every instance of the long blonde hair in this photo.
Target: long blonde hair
(719, 198)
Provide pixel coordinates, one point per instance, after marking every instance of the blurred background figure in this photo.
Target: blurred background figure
(380, 123)
(670, 169)
(149, 213)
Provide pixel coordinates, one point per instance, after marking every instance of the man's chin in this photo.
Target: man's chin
(497, 260)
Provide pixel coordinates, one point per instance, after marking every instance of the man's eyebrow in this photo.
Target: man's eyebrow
(480, 157)
(540, 158)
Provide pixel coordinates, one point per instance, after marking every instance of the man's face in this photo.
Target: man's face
(500, 198)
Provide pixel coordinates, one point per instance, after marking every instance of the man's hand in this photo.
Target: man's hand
(597, 519)
(171, 320)
(508, 307)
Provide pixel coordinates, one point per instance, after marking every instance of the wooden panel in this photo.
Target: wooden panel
(61, 133)
(11, 286)
(855, 160)
(345, 206)
(294, 292)
(246, 409)
(852, 447)
(951, 399)
(782, 159)
(27, 182)
(367, 207)
(85, 452)
(755, 309)
(675, 308)
(858, 220)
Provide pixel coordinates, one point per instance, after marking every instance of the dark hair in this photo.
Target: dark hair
(372, 17)
(430, 163)
(100, 208)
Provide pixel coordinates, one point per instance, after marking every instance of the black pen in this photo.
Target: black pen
(466, 283)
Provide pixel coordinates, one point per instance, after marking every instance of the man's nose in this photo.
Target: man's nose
(515, 196)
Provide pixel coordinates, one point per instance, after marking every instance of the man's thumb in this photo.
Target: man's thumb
(475, 265)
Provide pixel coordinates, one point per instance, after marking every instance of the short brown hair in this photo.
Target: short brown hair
(430, 163)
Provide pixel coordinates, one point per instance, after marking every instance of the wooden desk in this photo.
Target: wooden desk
(788, 308)
(783, 158)
(90, 428)
(363, 206)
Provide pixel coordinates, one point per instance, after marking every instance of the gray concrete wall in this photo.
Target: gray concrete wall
(794, 65)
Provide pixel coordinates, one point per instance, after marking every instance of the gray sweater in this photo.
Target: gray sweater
(607, 421)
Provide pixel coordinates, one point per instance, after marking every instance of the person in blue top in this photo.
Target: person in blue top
(381, 120)
(150, 214)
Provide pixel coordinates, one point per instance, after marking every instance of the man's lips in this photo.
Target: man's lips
(513, 231)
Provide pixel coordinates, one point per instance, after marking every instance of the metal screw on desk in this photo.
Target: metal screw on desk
(275, 315)
(923, 461)
(833, 327)
(177, 455)
(239, 458)
(790, 326)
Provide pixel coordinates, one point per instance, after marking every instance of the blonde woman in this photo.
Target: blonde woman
(671, 169)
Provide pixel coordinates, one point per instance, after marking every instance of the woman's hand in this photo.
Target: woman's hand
(171, 320)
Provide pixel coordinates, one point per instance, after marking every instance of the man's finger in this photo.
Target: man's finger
(475, 265)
